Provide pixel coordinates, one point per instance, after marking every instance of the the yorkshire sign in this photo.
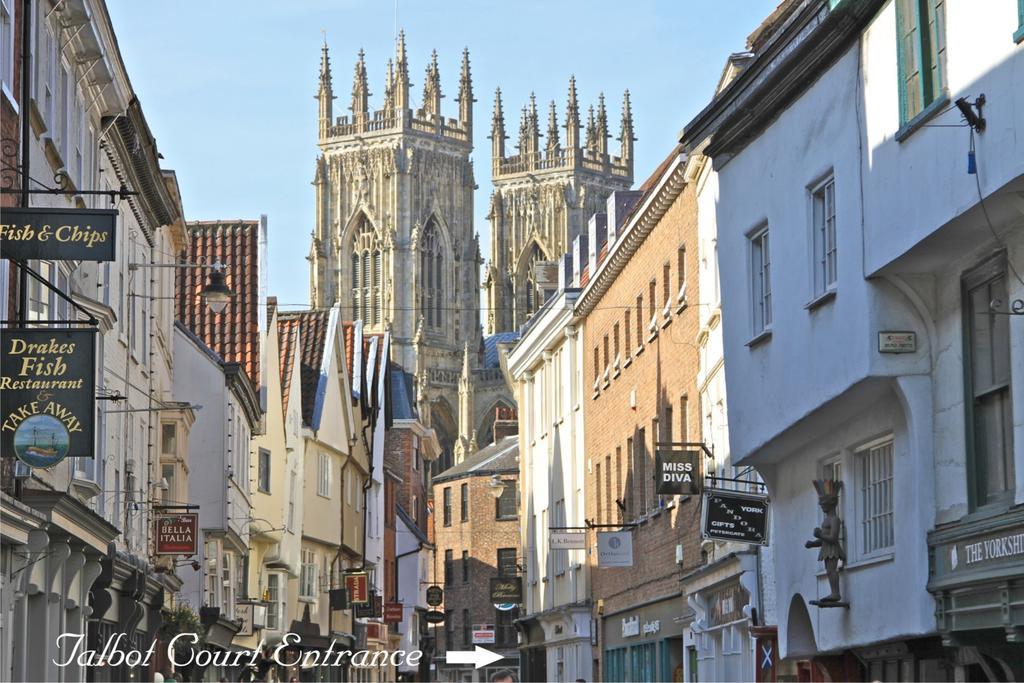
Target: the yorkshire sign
(47, 394)
(678, 472)
(58, 234)
(176, 533)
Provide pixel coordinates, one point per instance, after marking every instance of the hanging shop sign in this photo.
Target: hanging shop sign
(435, 596)
(678, 472)
(58, 234)
(507, 589)
(735, 516)
(338, 598)
(373, 608)
(614, 548)
(358, 586)
(176, 533)
(434, 616)
(48, 394)
(567, 540)
(393, 612)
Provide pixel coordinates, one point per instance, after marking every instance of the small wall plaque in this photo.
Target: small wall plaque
(897, 342)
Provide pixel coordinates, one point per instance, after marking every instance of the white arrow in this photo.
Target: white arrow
(478, 657)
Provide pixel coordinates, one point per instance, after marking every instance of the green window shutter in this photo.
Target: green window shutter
(936, 52)
(909, 58)
(1019, 35)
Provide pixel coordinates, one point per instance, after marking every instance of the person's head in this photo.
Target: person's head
(503, 676)
(581, 680)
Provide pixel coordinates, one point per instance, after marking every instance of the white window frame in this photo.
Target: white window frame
(275, 604)
(875, 498)
(760, 280)
(7, 58)
(323, 485)
(307, 575)
(823, 238)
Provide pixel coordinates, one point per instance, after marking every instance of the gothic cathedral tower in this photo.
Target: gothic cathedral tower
(394, 242)
(543, 198)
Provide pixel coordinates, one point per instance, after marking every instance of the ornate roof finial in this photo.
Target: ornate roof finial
(626, 137)
(400, 82)
(602, 126)
(389, 86)
(591, 140)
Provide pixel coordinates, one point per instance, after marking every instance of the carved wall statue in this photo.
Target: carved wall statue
(828, 537)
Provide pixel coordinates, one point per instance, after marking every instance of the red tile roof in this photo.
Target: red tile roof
(234, 333)
(308, 329)
(287, 338)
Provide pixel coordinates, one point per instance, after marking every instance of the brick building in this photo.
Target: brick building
(640, 324)
(477, 538)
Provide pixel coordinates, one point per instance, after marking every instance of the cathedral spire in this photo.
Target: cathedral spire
(572, 118)
(524, 128)
(466, 94)
(360, 90)
(601, 142)
(626, 138)
(432, 88)
(497, 131)
(325, 95)
(553, 148)
(401, 79)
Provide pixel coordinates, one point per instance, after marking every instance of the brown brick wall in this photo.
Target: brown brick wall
(660, 375)
(399, 457)
(481, 535)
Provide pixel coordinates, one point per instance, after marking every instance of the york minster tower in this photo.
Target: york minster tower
(543, 197)
(394, 243)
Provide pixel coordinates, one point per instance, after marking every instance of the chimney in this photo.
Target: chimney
(597, 229)
(565, 273)
(579, 253)
(506, 422)
(620, 203)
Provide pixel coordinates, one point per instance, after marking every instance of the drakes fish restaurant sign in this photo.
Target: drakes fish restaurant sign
(58, 234)
(176, 534)
(47, 394)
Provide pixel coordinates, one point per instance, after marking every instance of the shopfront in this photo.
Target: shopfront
(975, 576)
(644, 643)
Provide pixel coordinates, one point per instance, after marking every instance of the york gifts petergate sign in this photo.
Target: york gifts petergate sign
(176, 533)
(57, 234)
(47, 394)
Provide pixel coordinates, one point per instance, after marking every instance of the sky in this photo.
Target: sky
(228, 86)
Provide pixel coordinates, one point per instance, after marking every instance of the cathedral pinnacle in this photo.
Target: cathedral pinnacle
(325, 95)
(360, 91)
(432, 88)
(572, 117)
(400, 83)
(466, 91)
(626, 137)
(601, 140)
(553, 147)
(591, 142)
(497, 129)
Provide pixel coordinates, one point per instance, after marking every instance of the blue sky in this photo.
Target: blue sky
(227, 86)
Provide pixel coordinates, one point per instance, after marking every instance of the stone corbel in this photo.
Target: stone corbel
(34, 578)
(74, 564)
(700, 611)
(60, 551)
(90, 571)
(748, 579)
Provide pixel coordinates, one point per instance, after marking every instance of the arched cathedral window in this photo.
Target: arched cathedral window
(367, 282)
(432, 277)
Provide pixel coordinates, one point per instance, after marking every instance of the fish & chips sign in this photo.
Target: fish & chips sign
(47, 394)
(58, 234)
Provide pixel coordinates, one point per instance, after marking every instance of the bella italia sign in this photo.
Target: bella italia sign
(57, 234)
(47, 394)
(176, 534)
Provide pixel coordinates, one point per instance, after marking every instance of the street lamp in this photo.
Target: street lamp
(216, 293)
(497, 486)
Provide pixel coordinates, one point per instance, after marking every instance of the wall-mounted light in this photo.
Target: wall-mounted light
(497, 486)
(216, 293)
(966, 107)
